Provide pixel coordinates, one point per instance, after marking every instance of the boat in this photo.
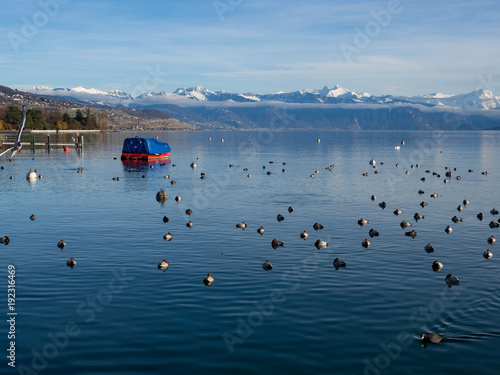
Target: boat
(144, 149)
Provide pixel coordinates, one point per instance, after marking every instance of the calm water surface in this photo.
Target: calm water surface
(115, 312)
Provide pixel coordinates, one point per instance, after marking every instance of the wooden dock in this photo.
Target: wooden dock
(10, 139)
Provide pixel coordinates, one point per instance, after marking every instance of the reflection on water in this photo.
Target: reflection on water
(130, 318)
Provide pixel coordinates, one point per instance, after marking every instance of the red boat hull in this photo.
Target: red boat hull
(130, 156)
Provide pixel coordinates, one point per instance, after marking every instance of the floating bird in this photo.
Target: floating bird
(480, 216)
(494, 212)
(459, 208)
(423, 204)
(161, 196)
(178, 199)
(404, 224)
(362, 222)
(260, 230)
(17, 144)
(208, 280)
(291, 209)
(189, 224)
(304, 235)
(241, 225)
(411, 234)
(267, 265)
(320, 244)
(434, 195)
(268, 173)
(492, 240)
(189, 211)
(436, 266)
(433, 338)
(451, 280)
(280, 217)
(337, 263)
(31, 176)
(488, 254)
(448, 229)
(168, 237)
(5, 240)
(494, 225)
(382, 205)
(275, 243)
(373, 197)
(421, 192)
(429, 248)
(418, 217)
(32, 217)
(165, 219)
(163, 265)
(372, 162)
(456, 219)
(465, 202)
(61, 244)
(317, 226)
(397, 212)
(71, 262)
(193, 165)
(365, 243)
(373, 233)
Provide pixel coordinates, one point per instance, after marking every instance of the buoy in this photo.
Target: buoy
(66, 149)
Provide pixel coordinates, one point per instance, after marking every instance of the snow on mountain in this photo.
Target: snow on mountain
(188, 96)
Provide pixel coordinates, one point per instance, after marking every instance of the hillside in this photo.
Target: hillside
(117, 118)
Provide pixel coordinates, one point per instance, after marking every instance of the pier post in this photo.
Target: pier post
(33, 144)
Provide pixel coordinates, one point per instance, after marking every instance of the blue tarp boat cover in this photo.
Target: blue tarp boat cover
(150, 146)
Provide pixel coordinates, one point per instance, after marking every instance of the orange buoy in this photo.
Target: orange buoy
(66, 149)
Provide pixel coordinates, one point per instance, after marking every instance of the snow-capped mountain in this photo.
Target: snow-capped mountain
(479, 99)
(94, 96)
(188, 96)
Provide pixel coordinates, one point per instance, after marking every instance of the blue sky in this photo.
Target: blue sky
(398, 47)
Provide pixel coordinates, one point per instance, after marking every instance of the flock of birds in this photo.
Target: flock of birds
(208, 280)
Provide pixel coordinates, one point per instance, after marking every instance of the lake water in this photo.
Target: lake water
(117, 313)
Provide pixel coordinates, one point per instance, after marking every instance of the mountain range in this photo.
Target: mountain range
(479, 99)
(334, 108)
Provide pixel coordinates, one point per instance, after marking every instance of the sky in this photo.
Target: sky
(396, 47)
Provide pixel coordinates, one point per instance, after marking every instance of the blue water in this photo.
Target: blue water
(117, 313)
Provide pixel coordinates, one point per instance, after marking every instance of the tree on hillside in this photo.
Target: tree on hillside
(14, 115)
(79, 117)
(38, 122)
(89, 120)
(29, 121)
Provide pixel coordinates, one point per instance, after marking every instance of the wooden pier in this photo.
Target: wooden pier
(10, 139)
